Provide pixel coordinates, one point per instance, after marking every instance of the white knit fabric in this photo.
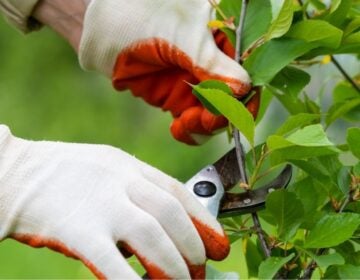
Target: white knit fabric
(18, 12)
(89, 197)
(112, 25)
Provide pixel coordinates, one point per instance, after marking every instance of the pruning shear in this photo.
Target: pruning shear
(210, 186)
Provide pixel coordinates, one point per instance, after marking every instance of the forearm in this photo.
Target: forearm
(64, 17)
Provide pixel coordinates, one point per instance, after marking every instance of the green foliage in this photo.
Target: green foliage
(317, 218)
(269, 267)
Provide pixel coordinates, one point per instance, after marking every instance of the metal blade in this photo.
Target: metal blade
(228, 169)
(252, 201)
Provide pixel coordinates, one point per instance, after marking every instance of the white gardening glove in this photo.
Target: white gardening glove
(86, 200)
(155, 48)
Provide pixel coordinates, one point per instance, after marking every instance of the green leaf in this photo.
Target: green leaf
(211, 85)
(311, 136)
(267, 60)
(332, 230)
(353, 38)
(338, 110)
(253, 258)
(298, 152)
(283, 21)
(335, 4)
(327, 260)
(344, 92)
(287, 85)
(314, 168)
(235, 236)
(265, 100)
(231, 108)
(339, 12)
(353, 139)
(291, 80)
(344, 180)
(348, 252)
(356, 169)
(352, 26)
(287, 210)
(231, 9)
(213, 273)
(351, 44)
(297, 121)
(318, 4)
(318, 31)
(311, 194)
(349, 271)
(310, 141)
(271, 266)
(311, 106)
(331, 273)
(257, 21)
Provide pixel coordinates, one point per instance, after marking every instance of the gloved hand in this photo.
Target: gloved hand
(152, 48)
(86, 200)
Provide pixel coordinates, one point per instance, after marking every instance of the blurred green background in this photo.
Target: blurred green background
(45, 95)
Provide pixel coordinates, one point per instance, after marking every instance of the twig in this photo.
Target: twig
(312, 266)
(239, 31)
(345, 74)
(237, 138)
(346, 202)
(236, 134)
(335, 62)
(261, 236)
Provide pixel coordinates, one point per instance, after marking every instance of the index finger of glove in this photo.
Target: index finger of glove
(215, 241)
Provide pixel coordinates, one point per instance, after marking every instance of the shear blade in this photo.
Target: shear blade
(252, 201)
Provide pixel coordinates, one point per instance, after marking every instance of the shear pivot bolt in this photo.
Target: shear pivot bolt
(247, 200)
(204, 189)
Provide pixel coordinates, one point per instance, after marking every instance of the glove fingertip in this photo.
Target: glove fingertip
(191, 119)
(216, 244)
(211, 122)
(197, 271)
(179, 132)
(254, 103)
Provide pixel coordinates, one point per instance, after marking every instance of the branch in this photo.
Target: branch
(236, 134)
(237, 138)
(345, 74)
